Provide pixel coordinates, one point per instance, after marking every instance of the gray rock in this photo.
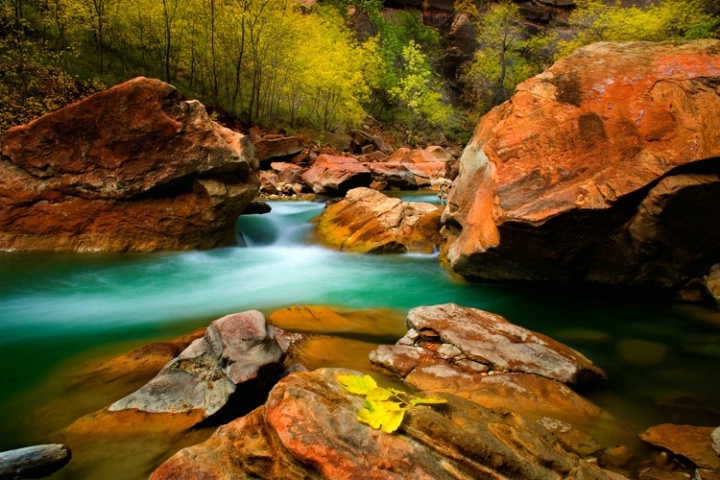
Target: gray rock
(33, 462)
(234, 350)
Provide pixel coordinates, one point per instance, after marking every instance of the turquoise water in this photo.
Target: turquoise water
(662, 358)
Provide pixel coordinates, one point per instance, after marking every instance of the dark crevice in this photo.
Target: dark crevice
(227, 174)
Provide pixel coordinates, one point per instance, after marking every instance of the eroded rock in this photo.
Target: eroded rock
(368, 221)
(130, 168)
(234, 350)
(586, 174)
(33, 462)
(472, 341)
(308, 429)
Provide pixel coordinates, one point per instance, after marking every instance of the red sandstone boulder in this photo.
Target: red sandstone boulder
(368, 221)
(270, 148)
(130, 168)
(336, 175)
(392, 175)
(603, 169)
(308, 429)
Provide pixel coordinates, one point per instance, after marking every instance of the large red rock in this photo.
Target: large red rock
(691, 442)
(604, 168)
(131, 168)
(336, 175)
(308, 429)
(367, 221)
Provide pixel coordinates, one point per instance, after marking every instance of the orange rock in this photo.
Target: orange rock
(131, 168)
(367, 221)
(693, 443)
(322, 319)
(332, 174)
(553, 178)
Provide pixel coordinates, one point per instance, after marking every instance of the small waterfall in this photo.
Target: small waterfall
(286, 224)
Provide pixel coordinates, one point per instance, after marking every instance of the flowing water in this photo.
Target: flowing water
(60, 310)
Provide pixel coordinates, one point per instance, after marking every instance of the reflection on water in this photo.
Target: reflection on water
(662, 359)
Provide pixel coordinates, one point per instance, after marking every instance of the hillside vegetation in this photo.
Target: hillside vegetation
(281, 64)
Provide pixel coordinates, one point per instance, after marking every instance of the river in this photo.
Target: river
(662, 357)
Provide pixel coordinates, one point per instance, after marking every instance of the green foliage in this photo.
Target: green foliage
(507, 57)
(383, 408)
(666, 20)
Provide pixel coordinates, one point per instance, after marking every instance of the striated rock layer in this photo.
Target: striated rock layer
(133, 168)
(604, 169)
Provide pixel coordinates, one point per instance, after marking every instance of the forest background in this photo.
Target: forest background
(290, 66)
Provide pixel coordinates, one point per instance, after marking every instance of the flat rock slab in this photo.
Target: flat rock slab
(234, 350)
(335, 175)
(33, 462)
(308, 429)
(693, 443)
(477, 342)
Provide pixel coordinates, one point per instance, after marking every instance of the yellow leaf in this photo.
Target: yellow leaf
(379, 394)
(392, 420)
(427, 401)
(358, 384)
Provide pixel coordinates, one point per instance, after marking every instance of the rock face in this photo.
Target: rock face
(590, 171)
(336, 175)
(234, 350)
(308, 429)
(368, 221)
(131, 168)
(475, 341)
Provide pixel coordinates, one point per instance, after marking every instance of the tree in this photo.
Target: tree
(594, 21)
(417, 91)
(507, 56)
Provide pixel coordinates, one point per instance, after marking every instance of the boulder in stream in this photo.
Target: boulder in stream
(691, 442)
(308, 429)
(367, 221)
(132, 168)
(604, 168)
(235, 349)
(333, 175)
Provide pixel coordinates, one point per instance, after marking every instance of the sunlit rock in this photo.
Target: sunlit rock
(604, 168)
(693, 443)
(377, 322)
(132, 168)
(368, 221)
(393, 175)
(308, 428)
(234, 350)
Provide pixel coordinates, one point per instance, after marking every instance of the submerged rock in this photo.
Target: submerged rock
(693, 443)
(308, 429)
(131, 168)
(234, 350)
(368, 221)
(33, 462)
(604, 168)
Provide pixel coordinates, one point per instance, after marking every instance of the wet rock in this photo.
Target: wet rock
(474, 341)
(33, 462)
(715, 437)
(308, 429)
(235, 349)
(336, 175)
(705, 474)
(693, 443)
(130, 168)
(656, 474)
(393, 175)
(257, 208)
(368, 221)
(585, 174)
